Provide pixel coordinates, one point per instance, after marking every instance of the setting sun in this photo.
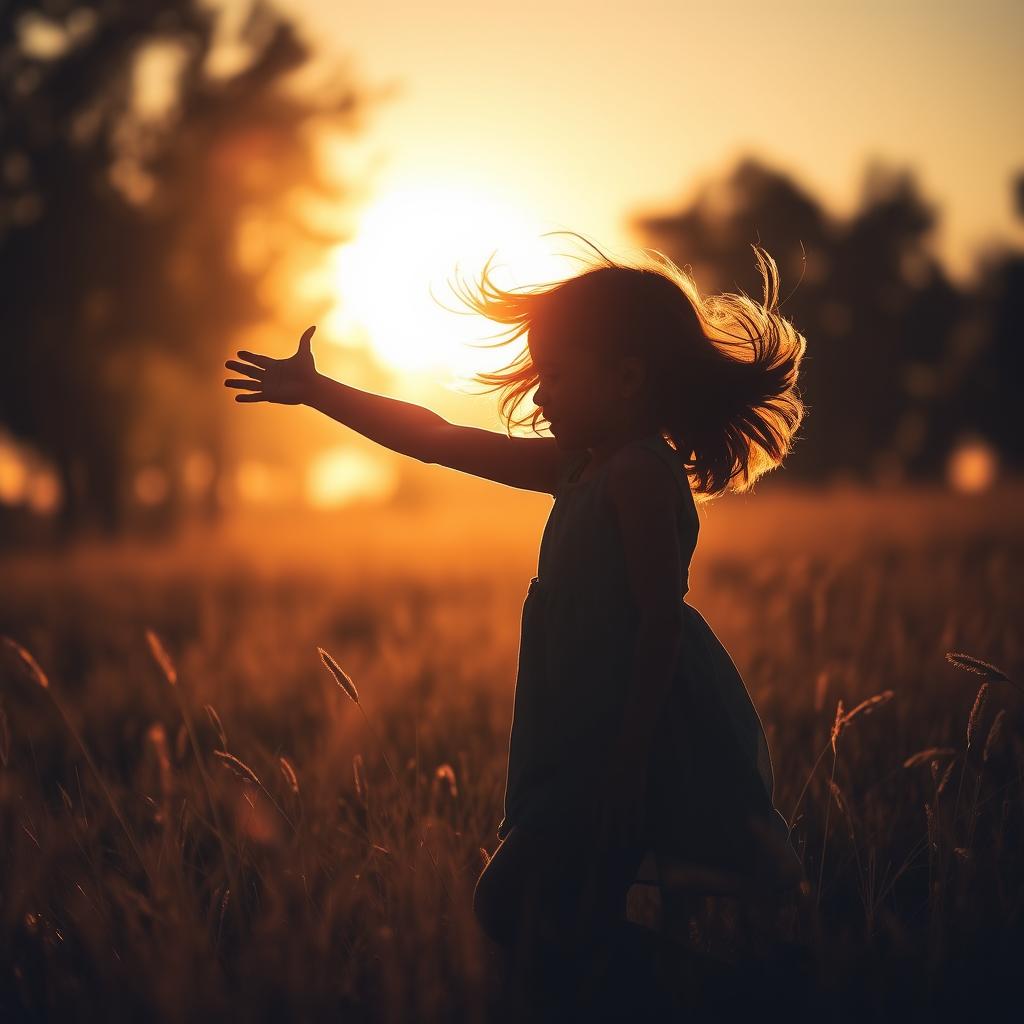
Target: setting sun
(393, 280)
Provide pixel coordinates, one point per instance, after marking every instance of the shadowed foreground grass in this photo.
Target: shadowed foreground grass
(198, 821)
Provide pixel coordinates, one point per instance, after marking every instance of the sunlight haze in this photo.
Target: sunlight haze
(592, 114)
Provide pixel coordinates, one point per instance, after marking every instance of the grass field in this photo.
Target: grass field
(327, 873)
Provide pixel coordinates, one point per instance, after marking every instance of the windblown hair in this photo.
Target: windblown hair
(721, 369)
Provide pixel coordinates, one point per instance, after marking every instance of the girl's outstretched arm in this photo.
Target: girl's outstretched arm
(400, 426)
(529, 463)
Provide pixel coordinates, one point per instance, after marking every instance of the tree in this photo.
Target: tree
(149, 197)
(875, 305)
(994, 361)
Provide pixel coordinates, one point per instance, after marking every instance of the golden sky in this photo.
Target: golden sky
(584, 112)
(513, 120)
(518, 119)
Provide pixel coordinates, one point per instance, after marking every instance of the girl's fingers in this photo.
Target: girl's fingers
(252, 371)
(249, 385)
(254, 357)
(256, 396)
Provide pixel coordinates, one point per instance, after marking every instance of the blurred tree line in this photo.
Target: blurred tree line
(141, 227)
(154, 167)
(901, 362)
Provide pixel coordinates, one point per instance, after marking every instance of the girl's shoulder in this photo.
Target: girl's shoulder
(632, 462)
(574, 465)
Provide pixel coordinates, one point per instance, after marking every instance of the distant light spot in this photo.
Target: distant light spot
(973, 466)
(151, 485)
(341, 475)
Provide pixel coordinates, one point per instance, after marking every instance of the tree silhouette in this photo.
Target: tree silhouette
(995, 397)
(875, 305)
(135, 241)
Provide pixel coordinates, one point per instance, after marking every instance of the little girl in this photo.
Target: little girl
(632, 731)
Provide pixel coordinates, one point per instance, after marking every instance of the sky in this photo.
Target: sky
(512, 120)
(585, 114)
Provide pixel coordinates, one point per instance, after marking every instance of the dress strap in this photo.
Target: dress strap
(576, 466)
(571, 467)
(657, 444)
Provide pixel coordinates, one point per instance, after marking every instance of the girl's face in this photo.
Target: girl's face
(581, 394)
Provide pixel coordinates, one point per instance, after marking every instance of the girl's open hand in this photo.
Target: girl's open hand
(285, 381)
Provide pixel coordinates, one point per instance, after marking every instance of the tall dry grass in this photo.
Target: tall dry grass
(193, 796)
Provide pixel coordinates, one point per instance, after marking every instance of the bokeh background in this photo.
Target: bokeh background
(179, 180)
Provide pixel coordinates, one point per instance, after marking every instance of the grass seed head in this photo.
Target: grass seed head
(162, 658)
(837, 725)
(29, 663)
(977, 666)
(446, 773)
(66, 797)
(976, 712)
(359, 775)
(865, 707)
(837, 793)
(238, 766)
(945, 778)
(340, 675)
(156, 741)
(289, 774)
(930, 754)
(211, 713)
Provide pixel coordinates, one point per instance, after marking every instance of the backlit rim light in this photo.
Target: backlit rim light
(395, 278)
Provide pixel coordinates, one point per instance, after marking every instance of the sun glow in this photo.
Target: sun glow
(412, 245)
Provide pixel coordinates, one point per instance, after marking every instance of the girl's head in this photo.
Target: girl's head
(625, 348)
(590, 391)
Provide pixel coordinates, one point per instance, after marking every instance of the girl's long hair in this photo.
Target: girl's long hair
(721, 369)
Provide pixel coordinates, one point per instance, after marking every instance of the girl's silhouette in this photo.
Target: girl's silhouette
(632, 732)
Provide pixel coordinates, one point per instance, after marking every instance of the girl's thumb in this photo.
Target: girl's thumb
(304, 340)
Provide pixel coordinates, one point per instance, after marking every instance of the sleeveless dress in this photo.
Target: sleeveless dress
(709, 769)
